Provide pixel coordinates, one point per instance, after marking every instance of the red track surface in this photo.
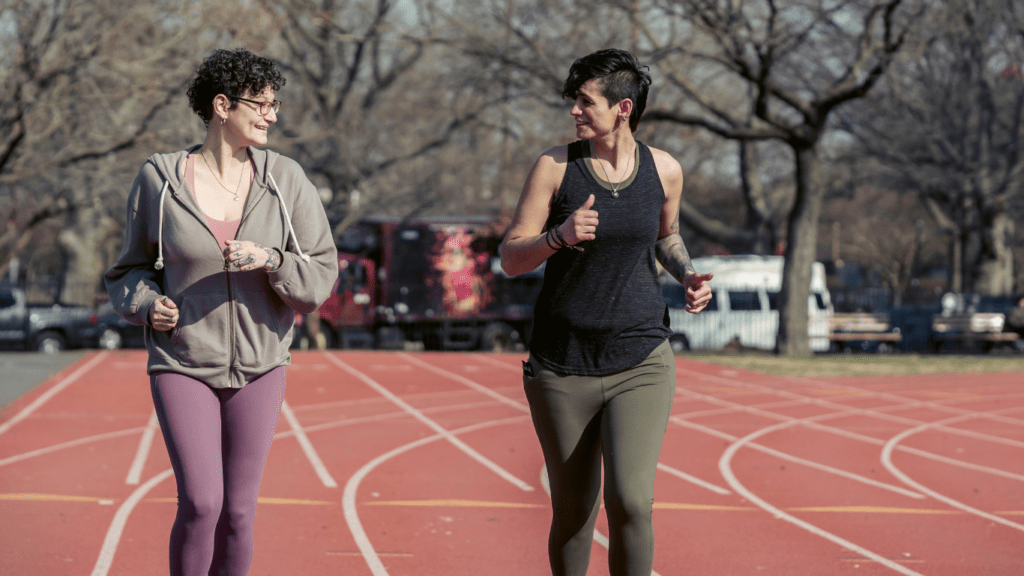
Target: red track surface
(427, 464)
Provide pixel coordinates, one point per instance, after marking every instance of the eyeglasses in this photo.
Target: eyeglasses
(262, 108)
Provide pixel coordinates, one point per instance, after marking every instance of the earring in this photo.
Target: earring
(222, 120)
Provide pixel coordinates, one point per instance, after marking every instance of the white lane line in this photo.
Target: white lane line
(486, 462)
(868, 439)
(113, 537)
(470, 383)
(887, 462)
(520, 406)
(348, 499)
(732, 409)
(498, 363)
(56, 389)
(692, 479)
(871, 412)
(725, 466)
(307, 446)
(71, 444)
(807, 422)
(598, 536)
(937, 405)
(145, 444)
(797, 460)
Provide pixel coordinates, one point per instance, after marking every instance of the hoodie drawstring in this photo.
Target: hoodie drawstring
(159, 265)
(288, 218)
(160, 231)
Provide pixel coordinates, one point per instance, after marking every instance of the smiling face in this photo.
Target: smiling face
(246, 124)
(594, 115)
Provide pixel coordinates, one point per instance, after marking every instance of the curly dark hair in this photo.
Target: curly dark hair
(621, 77)
(231, 73)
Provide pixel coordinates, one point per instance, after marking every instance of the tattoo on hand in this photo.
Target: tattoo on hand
(273, 260)
(245, 261)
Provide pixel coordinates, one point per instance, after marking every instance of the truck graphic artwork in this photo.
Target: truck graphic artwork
(462, 275)
(430, 283)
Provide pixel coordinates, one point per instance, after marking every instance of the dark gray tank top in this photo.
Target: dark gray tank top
(601, 311)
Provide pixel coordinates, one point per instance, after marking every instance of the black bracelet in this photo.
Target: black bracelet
(563, 243)
(561, 239)
(547, 239)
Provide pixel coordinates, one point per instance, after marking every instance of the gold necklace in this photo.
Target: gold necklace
(615, 185)
(217, 178)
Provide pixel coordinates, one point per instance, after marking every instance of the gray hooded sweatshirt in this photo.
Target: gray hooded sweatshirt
(233, 326)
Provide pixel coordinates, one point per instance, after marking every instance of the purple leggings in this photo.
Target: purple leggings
(218, 441)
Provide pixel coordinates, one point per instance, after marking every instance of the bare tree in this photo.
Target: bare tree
(773, 70)
(86, 88)
(374, 105)
(948, 124)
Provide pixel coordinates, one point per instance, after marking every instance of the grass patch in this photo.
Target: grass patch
(828, 365)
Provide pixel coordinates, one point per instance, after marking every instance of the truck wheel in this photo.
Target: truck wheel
(498, 337)
(679, 343)
(50, 342)
(110, 339)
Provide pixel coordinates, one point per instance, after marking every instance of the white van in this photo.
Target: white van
(744, 305)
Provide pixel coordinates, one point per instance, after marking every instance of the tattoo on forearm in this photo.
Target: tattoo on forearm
(273, 260)
(672, 254)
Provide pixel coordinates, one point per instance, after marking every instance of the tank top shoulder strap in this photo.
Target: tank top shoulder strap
(576, 150)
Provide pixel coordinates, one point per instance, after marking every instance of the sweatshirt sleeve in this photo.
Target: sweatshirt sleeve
(132, 281)
(302, 285)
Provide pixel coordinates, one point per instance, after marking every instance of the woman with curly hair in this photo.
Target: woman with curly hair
(224, 243)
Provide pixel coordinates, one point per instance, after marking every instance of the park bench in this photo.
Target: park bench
(985, 328)
(863, 330)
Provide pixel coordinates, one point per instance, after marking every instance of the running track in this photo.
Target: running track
(426, 464)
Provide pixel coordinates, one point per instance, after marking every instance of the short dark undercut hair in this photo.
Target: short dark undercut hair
(231, 73)
(621, 77)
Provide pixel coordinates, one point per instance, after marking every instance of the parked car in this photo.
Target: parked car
(44, 328)
(115, 332)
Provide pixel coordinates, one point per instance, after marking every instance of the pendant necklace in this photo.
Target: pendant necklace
(615, 185)
(217, 178)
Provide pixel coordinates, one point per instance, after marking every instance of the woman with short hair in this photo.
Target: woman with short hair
(601, 378)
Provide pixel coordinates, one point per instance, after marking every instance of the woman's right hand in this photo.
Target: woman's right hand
(581, 225)
(163, 314)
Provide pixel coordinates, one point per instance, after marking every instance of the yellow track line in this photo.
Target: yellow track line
(458, 503)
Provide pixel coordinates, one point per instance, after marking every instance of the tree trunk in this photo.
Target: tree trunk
(994, 276)
(801, 248)
(82, 246)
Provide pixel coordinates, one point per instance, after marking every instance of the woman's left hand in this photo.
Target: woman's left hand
(245, 255)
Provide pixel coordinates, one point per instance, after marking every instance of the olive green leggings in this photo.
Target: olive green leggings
(580, 419)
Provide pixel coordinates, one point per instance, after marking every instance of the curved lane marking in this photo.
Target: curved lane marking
(525, 408)
(56, 389)
(725, 466)
(887, 462)
(348, 498)
(797, 460)
(486, 462)
(860, 437)
(142, 453)
(113, 537)
(874, 413)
